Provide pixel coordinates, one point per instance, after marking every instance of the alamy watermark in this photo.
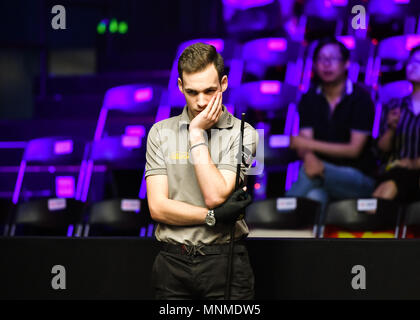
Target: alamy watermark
(359, 20)
(58, 282)
(358, 282)
(59, 20)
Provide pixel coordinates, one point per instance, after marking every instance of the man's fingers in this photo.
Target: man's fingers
(210, 106)
(216, 106)
(237, 194)
(213, 107)
(207, 109)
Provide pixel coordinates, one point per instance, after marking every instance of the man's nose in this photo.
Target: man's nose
(202, 100)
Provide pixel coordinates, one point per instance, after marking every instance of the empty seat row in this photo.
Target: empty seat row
(73, 218)
(352, 218)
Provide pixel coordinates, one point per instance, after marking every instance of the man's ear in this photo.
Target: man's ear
(224, 83)
(180, 85)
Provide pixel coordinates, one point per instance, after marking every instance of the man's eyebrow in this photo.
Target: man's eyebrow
(207, 89)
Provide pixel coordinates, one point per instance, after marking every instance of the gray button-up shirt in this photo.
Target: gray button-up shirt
(168, 153)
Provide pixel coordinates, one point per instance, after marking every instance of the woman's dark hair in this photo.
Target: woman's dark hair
(345, 53)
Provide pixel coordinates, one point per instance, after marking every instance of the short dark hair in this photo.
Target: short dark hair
(197, 57)
(345, 53)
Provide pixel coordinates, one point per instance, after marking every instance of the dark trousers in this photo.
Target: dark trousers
(178, 276)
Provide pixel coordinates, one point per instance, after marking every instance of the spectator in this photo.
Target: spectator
(334, 142)
(400, 140)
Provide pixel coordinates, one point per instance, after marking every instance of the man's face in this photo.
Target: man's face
(199, 87)
(413, 68)
(329, 64)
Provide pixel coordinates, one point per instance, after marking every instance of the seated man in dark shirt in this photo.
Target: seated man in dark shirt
(336, 118)
(400, 141)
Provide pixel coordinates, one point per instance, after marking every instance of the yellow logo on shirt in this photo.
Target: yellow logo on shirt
(180, 155)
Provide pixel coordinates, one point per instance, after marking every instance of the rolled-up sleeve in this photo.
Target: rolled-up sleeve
(155, 160)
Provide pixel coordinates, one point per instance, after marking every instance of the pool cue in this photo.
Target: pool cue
(232, 229)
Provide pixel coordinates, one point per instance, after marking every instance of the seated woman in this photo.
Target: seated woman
(334, 142)
(400, 141)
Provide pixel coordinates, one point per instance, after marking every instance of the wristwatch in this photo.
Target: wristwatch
(210, 219)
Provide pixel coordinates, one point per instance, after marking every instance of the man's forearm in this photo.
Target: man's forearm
(343, 150)
(177, 213)
(212, 183)
(302, 153)
(416, 163)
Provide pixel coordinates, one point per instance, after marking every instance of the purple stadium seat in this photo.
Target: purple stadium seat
(50, 151)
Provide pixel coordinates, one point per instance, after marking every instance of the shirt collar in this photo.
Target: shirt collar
(225, 120)
(349, 88)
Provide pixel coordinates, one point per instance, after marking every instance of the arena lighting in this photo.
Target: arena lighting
(56, 204)
(339, 3)
(290, 117)
(270, 87)
(87, 173)
(235, 72)
(135, 131)
(70, 230)
(65, 186)
(113, 26)
(131, 205)
(260, 186)
(402, 1)
(13, 144)
(348, 41)
(246, 4)
(412, 41)
(80, 180)
(279, 141)
(217, 43)
(19, 182)
(143, 94)
(131, 141)
(150, 230)
(63, 147)
(143, 232)
(277, 44)
(122, 27)
(376, 122)
(101, 27)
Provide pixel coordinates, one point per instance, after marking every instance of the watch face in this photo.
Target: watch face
(210, 220)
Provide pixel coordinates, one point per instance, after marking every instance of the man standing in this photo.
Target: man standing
(190, 173)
